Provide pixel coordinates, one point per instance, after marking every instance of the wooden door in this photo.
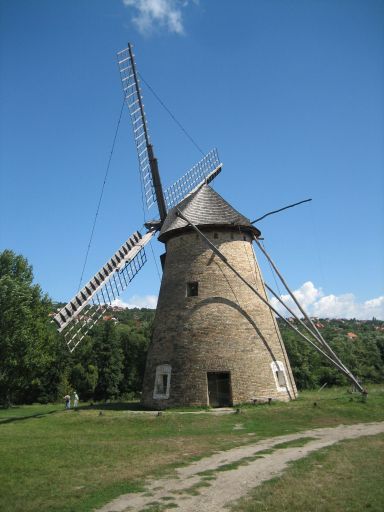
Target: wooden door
(219, 389)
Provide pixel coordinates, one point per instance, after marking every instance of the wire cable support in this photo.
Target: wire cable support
(172, 115)
(101, 196)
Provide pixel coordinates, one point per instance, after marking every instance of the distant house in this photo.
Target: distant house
(351, 335)
(319, 325)
(118, 308)
(110, 318)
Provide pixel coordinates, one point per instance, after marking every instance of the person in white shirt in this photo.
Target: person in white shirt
(75, 399)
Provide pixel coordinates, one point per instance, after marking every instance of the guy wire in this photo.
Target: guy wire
(172, 115)
(101, 195)
(154, 257)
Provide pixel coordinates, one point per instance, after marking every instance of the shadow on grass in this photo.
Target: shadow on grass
(27, 417)
(114, 406)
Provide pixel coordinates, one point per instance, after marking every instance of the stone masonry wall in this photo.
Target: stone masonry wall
(225, 328)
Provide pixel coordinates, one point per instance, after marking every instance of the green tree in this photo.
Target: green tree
(108, 358)
(27, 341)
(134, 344)
(84, 380)
(83, 374)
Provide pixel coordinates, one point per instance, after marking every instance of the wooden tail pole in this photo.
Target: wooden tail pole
(315, 329)
(318, 334)
(293, 314)
(335, 363)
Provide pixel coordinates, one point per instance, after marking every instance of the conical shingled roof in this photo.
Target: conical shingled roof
(204, 208)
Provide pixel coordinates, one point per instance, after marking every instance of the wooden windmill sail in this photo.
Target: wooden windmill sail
(90, 303)
(216, 340)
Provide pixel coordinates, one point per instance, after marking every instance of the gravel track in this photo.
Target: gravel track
(215, 482)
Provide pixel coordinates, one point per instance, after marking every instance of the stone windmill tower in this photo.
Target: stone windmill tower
(216, 341)
(213, 343)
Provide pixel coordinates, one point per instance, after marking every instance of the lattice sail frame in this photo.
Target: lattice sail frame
(133, 99)
(204, 171)
(93, 300)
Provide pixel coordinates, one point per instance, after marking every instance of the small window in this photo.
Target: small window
(192, 289)
(215, 235)
(162, 381)
(244, 238)
(281, 378)
(279, 375)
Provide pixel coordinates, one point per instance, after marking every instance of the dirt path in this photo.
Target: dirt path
(214, 482)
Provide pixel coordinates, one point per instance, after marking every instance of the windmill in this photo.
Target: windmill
(215, 339)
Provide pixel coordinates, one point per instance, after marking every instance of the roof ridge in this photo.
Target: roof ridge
(204, 207)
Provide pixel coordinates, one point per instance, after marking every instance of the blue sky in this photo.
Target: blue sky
(289, 91)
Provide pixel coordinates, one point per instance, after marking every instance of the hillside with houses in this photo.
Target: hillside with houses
(359, 343)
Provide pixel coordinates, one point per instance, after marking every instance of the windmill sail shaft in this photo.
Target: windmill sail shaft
(203, 171)
(157, 184)
(153, 190)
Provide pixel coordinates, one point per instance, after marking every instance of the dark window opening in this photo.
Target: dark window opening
(162, 384)
(192, 289)
(215, 235)
(162, 260)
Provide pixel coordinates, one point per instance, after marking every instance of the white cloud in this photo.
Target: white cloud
(315, 303)
(137, 301)
(152, 15)
(307, 294)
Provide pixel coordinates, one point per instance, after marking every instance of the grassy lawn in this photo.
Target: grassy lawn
(56, 460)
(347, 477)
